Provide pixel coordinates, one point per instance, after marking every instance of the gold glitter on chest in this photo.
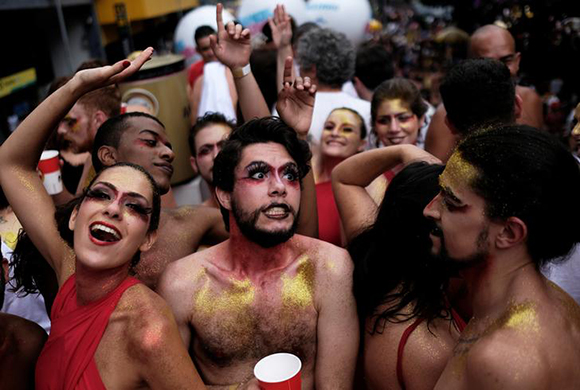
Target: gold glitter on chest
(236, 298)
(298, 291)
(522, 317)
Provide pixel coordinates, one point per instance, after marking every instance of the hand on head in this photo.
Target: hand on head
(232, 44)
(296, 101)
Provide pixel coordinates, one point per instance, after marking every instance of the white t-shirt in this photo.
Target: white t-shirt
(30, 306)
(215, 93)
(567, 274)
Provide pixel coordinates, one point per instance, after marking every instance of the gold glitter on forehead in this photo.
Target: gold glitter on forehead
(457, 172)
(298, 291)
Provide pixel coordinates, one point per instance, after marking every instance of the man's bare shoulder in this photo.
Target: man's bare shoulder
(329, 259)
(191, 215)
(26, 337)
(507, 359)
(146, 317)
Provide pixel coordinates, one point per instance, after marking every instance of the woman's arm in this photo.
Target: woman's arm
(20, 153)
(349, 178)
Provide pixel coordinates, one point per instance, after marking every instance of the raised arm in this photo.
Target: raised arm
(282, 38)
(356, 207)
(20, 153)
(232, 47)
(295, 106)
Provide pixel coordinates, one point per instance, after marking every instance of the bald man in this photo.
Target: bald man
(489, 41)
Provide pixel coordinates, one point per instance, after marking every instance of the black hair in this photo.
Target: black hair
(526, 173)
(202, 32)
(363, 126)
(373, 65)
(478, 92)
(31, 269)
(393, 261)
(111, 131)
(255, 131)
(3, 201)
(209, 118)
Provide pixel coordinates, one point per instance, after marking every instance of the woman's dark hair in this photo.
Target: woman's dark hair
(30, 267)
(393, 262)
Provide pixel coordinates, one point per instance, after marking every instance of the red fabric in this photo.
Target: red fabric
(389, 175)
(194, 71)
(328, 217)
(459, 322)
(67, 359)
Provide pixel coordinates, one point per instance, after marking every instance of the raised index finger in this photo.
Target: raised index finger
(288, 64)
(218, 17)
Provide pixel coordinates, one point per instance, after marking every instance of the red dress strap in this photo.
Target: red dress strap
(461, 324)
(401, 349)
(67, 359)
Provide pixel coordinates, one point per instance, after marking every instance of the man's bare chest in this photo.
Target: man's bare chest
(244, 322)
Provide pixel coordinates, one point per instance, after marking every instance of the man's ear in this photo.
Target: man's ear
(73, 218)
(224, 198)
(97, 119)
(107, 155)
(193, 165)
(513, 232)
(518, 106)
(450, 126)
(150, 239)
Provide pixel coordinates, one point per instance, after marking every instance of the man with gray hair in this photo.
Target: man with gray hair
(328, 58)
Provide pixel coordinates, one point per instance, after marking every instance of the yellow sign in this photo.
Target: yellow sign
(141, 9)
(17, 81)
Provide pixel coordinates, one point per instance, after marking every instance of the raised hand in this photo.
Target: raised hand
(232, 44)
(281, 27)
(94, 78)
(296, 101)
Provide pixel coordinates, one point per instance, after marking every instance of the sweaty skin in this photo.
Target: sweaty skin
(230, 322)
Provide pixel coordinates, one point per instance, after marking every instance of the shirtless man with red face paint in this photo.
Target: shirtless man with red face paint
(505, 209)
(266, 289)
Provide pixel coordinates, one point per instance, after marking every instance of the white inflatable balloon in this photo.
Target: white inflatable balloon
(253, 14)
(183, 38)
(349, 17)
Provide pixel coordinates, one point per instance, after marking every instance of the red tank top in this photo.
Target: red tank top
(459, 322)
(67, 359)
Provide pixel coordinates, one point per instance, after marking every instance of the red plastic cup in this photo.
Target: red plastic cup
(280, 371)
(49, 166)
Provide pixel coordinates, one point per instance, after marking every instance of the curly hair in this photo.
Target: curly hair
(330, 52)
(255, 131)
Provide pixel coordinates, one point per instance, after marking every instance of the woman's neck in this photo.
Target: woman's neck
(92, 285)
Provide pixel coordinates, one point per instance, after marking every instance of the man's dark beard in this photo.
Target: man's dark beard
(247, 225)
(458, 264)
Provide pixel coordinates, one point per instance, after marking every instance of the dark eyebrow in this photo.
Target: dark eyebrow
(507, 57)
(131, 194)
(448, 193)
(156, 135)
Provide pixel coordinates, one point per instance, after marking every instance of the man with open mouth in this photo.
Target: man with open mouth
(265, 289)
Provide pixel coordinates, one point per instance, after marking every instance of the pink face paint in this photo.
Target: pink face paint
(258, 171)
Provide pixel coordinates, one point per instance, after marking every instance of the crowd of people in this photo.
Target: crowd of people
(388, 240)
